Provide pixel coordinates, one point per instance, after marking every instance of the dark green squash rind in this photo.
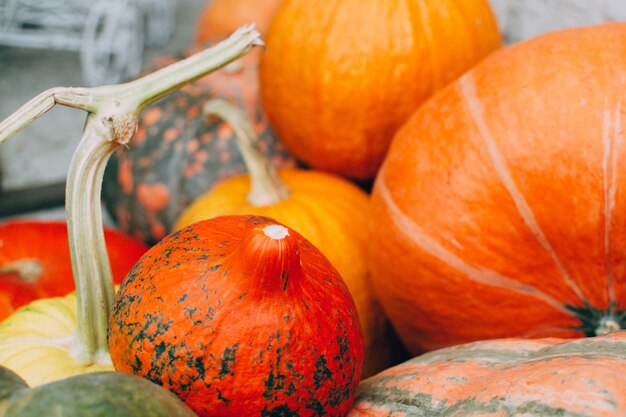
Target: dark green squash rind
(102, 394)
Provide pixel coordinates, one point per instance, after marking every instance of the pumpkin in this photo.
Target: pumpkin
(331, 212)
(175, 155)
(340, 76)
(505, 377)
(40, 343)
(54, 338)
(499, 210)
(110, 394)
(35, 260)
(240, 316)
(220, 18)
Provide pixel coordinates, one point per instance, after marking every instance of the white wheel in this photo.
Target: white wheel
(113, 42)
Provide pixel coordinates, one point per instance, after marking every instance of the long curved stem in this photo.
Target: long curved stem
(266, 187)
(112, 121)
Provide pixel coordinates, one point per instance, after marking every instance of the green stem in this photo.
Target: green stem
(112, 121)
(266, 187)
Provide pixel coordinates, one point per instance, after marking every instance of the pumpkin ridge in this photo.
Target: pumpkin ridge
(472, 104)
(435, 249)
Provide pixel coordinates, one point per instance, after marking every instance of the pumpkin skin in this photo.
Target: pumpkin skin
(360, 69)
(501, 378)
(35, 261)
(220, 18)
(329, 211)
(39, 342)
(238, 320)
(175, 155)
(484, 213)
(110, 394)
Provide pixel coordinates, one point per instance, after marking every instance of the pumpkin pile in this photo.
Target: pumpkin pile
(488, 249)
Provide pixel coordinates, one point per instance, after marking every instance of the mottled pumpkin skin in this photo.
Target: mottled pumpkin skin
(43, 248)
(341, 76)
(504, 378)
(101, 394)
(238, 324)
(176, 155)
(500, 208)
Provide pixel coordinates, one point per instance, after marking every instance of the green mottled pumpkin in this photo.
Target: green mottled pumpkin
(176, 155)
(102, 394)
(549, 377)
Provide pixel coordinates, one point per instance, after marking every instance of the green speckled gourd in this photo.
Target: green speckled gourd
(102, 394)
(176, 155)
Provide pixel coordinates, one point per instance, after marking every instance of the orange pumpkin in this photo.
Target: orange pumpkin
(499, 210)
(340, 76)
(222, 17)
(240, 316)
(328, 210)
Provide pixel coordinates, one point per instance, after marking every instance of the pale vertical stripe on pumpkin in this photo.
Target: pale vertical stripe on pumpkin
(611, 139)
(484, 276)
(473, 105)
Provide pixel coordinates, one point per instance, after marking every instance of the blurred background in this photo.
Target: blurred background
(34, 163)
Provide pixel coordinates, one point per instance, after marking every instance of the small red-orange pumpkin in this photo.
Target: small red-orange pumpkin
(500, 209)
(35, 260)
(240, 316)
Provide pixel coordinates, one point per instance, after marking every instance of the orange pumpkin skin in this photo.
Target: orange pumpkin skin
(35, 261)
(238, 322)
(220, 18)
(506, 377)
(360, 68)
(332, 213)
(499, 209)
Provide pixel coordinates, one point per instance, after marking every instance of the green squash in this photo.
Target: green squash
(101, 394)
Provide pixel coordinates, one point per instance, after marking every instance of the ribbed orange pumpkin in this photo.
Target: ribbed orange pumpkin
(340, 76)
(500, 209)
(220, 18)
(240, 316)
(502, 378)
(326, 209)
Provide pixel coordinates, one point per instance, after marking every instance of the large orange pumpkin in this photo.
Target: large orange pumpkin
(500, 209)
(340, 76)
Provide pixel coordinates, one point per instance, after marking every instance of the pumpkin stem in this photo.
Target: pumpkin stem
(27, 270)
(269, 255)
(112, 122)
(266, 187)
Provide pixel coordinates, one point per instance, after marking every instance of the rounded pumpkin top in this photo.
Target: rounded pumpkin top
(340, 76)
(499, 209)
